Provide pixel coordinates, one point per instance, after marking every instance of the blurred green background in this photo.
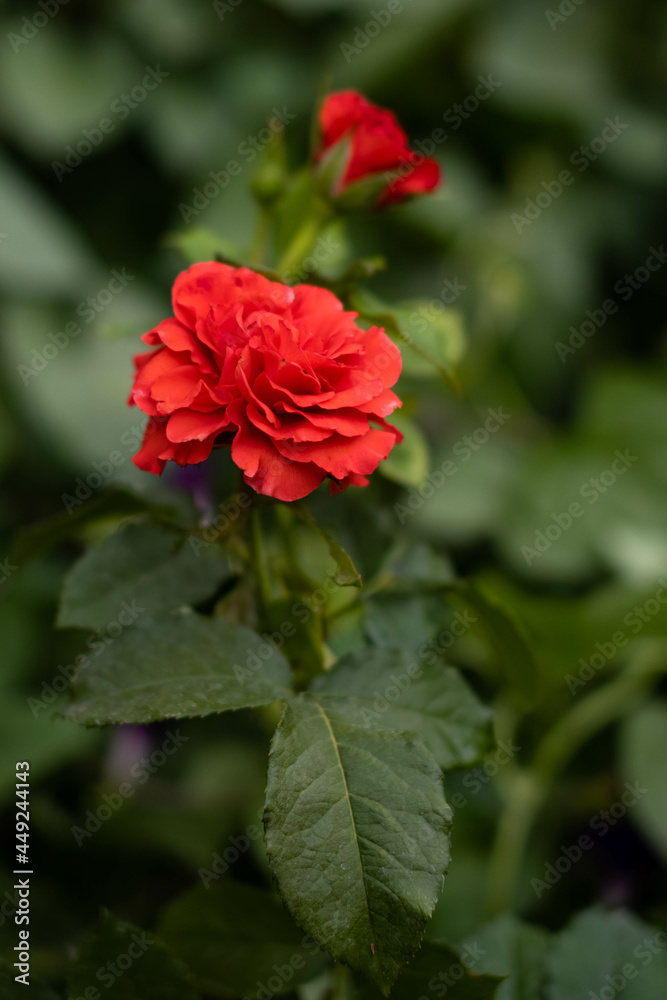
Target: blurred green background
(523, 286)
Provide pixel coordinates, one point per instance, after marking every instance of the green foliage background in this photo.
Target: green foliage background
(560, 79)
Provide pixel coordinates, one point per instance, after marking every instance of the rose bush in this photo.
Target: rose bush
(377, 145)
(284, 375)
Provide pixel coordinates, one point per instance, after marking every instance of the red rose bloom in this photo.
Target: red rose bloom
(378, 145)
(282, 373)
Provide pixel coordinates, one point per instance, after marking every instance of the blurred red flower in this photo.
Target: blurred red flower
(378, 148)
(283, 374)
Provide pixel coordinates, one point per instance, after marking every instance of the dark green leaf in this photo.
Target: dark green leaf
(157, 569)
(643, 755)
(178, 667)
(300, 640)
(347, 573)
(512, 948)
(357, 830)
(608, 954)
(239, 941)
(436, 970)
(380, 688)
(130, 964)
(510, 648)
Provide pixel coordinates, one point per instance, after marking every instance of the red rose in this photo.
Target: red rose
(284, 374)
(378, 146)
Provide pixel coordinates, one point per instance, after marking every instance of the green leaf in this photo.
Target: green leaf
(437, 333)
(198, 244)
(357, 831)
(303, 645)
(408, 462)
(178, 667)
(141, 563)
(380, 688)
(131, 965)
(436, 340)
(347, 574)
(239, 941)
(510, 648)
(643, 751)
(509, 947)
(607, 954)
(447, 968)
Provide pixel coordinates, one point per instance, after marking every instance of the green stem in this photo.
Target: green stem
(304, 238)
(260, 236)
(530, 787)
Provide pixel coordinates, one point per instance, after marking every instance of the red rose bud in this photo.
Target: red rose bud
(283, 374)
(364, 160)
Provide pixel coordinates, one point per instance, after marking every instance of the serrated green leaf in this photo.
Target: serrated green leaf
(141, 563)
(131, 965)
(236, 938)
(408, 462)
(381, 688)
(439, 964)
(357, 831)
(178, 667)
